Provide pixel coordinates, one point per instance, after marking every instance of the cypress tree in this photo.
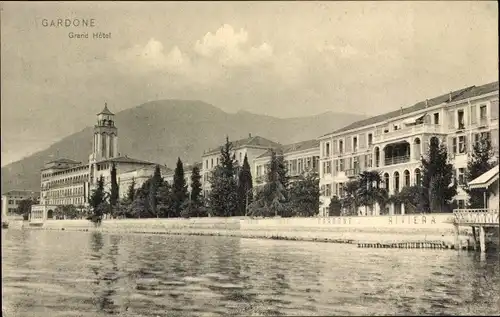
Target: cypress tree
(223, 195)
(479, 162)
(438, 183)
(154, 184)
(245, 194)
(97, 201)
(164, 200)
(179, 189)
(196, 186)
(113, 198)
(131, 191)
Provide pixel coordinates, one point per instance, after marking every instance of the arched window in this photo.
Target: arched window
(377, 157)
(418, 177)
(396, 182)
(386, 181)
(407, 178)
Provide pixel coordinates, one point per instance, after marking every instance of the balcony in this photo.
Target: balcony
(396, 160)
(352, 172)
(412, 130)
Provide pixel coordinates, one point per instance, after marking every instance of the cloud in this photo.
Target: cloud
(230, 48)
(152, 56)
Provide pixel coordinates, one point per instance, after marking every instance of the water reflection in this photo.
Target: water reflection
(94, 274)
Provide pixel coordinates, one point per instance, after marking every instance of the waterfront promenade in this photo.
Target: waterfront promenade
(414, 228)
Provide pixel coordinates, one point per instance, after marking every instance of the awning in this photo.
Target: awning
(485, 180)
(412, 120)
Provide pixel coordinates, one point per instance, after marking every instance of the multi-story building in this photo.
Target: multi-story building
(11, 200)
(300, 157)
(65, 182)
(393, 143)
(252, 147)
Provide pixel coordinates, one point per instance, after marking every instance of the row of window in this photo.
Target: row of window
(66, 192)
(66, 181)
(356, 163)
(68, 171)
(456, 120)
(295, 166)
(458, 144)
(338, 188)
(67, 201)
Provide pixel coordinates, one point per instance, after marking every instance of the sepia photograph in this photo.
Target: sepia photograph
(249, 158)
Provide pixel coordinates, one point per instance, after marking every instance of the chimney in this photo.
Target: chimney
(249, 135)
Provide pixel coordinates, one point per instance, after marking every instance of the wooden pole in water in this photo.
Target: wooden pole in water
(482, 239)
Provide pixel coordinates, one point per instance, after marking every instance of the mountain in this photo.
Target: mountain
(160, 131)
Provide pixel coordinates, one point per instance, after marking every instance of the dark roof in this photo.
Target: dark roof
(105, 110)
(21, 193)
(126, 159)
(469, 92)
(64, 160)
(294, 147)
(254, 141)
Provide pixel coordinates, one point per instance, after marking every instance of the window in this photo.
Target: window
(211, 163)
(327, 149)
(461, 204)
(386, 181)
(396, 182)
(436, 118)
(461, 176)
(370, 139)
(482, 114)
(341, 162)
(327, 167)
(473, 114)
(241, 159)
(341, 189)
(407, 178)
(206, 164)
(328, 190)
(418, 178)
(355, 143)
(461, 144)
(341, 146)
(460, 117)
(369, 160)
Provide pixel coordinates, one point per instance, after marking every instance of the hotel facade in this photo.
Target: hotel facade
(393, 143)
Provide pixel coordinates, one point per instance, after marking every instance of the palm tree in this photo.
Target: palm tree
(350, 199)
(369, 191)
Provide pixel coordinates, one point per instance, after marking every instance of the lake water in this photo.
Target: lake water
(61, 273)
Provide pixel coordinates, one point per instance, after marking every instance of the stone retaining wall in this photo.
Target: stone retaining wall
(383, 229)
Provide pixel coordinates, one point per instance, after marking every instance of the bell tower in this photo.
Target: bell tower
(105, 144)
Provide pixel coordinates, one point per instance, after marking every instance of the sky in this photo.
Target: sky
(284, 59)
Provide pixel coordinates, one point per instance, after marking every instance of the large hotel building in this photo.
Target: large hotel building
(391, 143)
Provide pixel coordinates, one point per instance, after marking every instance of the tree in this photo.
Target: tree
(24, 207)
(223, 198)
(67, 212)
(369, 191)
(179, 189)
(196, 186)
(113, 198)
(438, 183)
(411, 197)
(164, 200)
(98, 202)
(480, 161)
(273, 199)
(305, 195)
(335, 207)
(350, 200)
(154, 184)
(244, 187)
(131, 191)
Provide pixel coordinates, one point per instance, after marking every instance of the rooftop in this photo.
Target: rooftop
(251, 141)
(486, 179)
(64, 160)
(105, 110)
(465, 93)
(129, 160)
(21, 193)
(294, 147)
